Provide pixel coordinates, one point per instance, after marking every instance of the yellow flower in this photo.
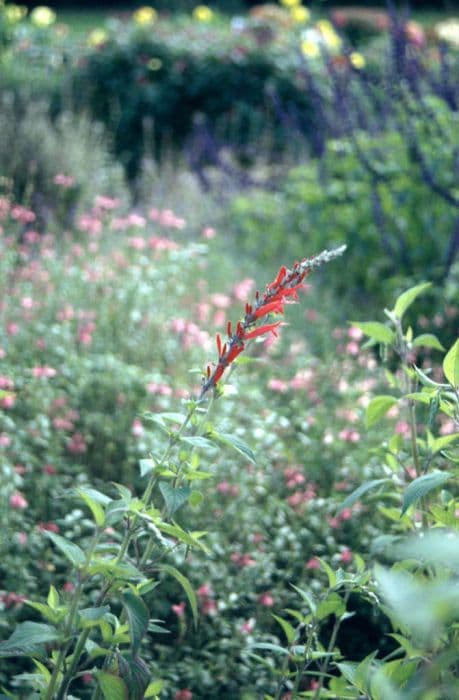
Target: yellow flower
(154, 64)
(330, 37)
(309, 49)
(145, 15)
(300, 15)
(42, 16)
(290, 3)
(203, 13)
(97, 37)
(14, 13)
(357, 60)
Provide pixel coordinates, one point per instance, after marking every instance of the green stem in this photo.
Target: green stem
(331, 646)
(70, 624)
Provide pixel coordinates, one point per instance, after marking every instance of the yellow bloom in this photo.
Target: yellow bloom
(203, 13)
(145, 15)
(97, 37)
(357, 60)
(290, 3)
(300, 14)
(309, 49)
(42, 16)
(154, 64)
(14, 13)
(330, 37)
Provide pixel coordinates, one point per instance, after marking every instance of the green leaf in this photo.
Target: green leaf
(428, 340)
(442, 442)
(146, 466)
(332, 605)
(405, 300)
(196, 498)
(137, 613)
(53, 598)
(26, 638)
(421, 486)
(174, 498)
(197, 441)
(235, 443)
(135, 673)
(377, 331)
(271, 647)
(332, 580)
(451, 365)
(287, 627)
(189, 538)
(307, 597)
(73, 553)
(187, 587)
(154, 689)
(377, 408)
(92, 498)
(90, 617)
(363, 488)
(112, 687)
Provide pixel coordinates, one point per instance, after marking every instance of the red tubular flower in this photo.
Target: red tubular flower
(273, 307)
(261, 330)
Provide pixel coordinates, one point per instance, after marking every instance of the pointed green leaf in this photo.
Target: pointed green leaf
(73, 553)
(332, 605)
(26, 638)
(421, 486)
(377, 408)
(53, 598)
(442, 442)
(94, 504)
(428, 340)
(405, 300)
(287, 627)
(137, 613)
(91, 617)
(377, 331)
(271, 647)
(112, 687)
(154, 689)
(234, 442)
(307, 597)
(187, 587)
(451, 365)
(363, 488)
(332, 580)
(174, 498)
(197, 441)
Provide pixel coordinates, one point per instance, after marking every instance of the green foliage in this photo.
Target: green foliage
(339, 199)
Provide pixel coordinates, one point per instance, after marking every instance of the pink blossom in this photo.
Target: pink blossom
(77, 444)
(12, 328)
(221, 301)
(346, 556)
(345, 514)
(184, 694)
(352, 348)
(204, 591)
(278, 385)
(90, 224)
(104, 202)
(355, 333)
(208, 232)
(27, 303)
(44, 372)
(209, 607)
(179, 610)
(49, 469)
(17, 501)
(65, 181)
(313, 563)
(402, 428)
(22, 214)
(242, 560)
(161, 389)
(8, 401)
(5, 440)
(248, 626)
(137, 429)
(12, 599)
(242, 289)
(349, 435)
(266, 599)
(21, 538)
(48, 527)
(137, 242)
(160, 243)
(68, 587)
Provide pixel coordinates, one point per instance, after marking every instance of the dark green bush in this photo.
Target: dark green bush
(388, 198)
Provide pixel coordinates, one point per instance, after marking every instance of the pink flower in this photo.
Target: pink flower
(242, 560)
(65, 181)
(179, 610)
(17, 501)
(108, 203)
(49, 469)
(204, 591)
(278, 385)
(12, 599)
(68, 587)
(21, 538)
(248, 626)
(349, 435)
(355, 333)
(208, 232)
(184, 694)
(12, 329)
(313, 563)
(346, 514)
(346, 556)
(48, 527)
(266, 599)
(5, 440)
(8, 401)
(77, 444)
(209, 607)
(137, 428)
(22, 214)
(43, 372)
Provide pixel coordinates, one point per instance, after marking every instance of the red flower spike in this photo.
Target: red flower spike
(261, 330)
(219, 344)
(239, 330)
(208, 371)
(279, 279)
(276, 306)
(229, 329)
(218, 374)
(223, 350)
(234, 352)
